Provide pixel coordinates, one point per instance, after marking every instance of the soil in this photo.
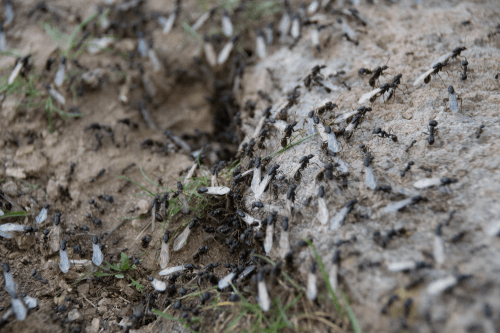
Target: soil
(406, 36)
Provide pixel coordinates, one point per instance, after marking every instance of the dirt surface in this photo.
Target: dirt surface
(200, 105)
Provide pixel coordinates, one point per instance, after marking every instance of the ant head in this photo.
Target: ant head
(377, 130)
(384, 67)
(451, 90)
(433, 123)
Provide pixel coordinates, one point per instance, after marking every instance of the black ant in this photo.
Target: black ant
(288, 133)
(383, 134)
(432, 131)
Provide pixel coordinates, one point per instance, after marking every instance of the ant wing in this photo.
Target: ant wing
(366, 97)
(218, 190)
(437, 287)
(280, 125)
(181, 240)
(333, 144)
(256, 179)
(345, 116)
(224, 54)
(15, 72)
(312, 288)
(42, 216)
(268, 241)
(97, 256)
(397, 205)
(226, 281)
(401, 266)
(322, 211)
(201, 20)
(370, 180)
(338, 220)
(171, 270)
(322, 131)
(443, 58)
(159, 285)
(164, 255)
(227, 26)
(19, 309)
(284, 244)
(427, 182)
(422, 77)
(64, 261)
(261, 47)
(250, 219)
(264, 301)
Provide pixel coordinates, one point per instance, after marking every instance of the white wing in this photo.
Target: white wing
(397, 205)
(494, 229)
(190, 172)
(262, 186)
(264, 301)
(442, 58)
(453, 103)
(315, 37)
(322, 211)
(437, 287)
(15, 72)
(164, 255)
(338, 220)
(421, 78)
(10, 227)
(427, 182)
(321, 131)
(343, 166)
(295, 32)
(227, 26)
(333, 276)
(312, 288)
(154, 60)
(171, 270)
(57, 96)
(218, 190)
(268, 241)
(200, 21)
(210, 54)
(159, 285)
(261, 47)
(438, 250)
(284, 25)
(250, 219)
(224, 54)
(3, 42)
(313, 7)
(345, 116)
(19, 309)
(333, 144)
(55, 238)
(170, 22)
(370, 180)
(30, 302)
(366, 97)
(42, 216)
(401, 266)
(97, 256)
(226, 281)
(83, 262)
(256, 180)
(284, 244)
(59, 78)
(10, 285)
(63, 261)
(181, 240)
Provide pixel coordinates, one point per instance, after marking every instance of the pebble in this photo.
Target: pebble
(10, 188)
(74, 315)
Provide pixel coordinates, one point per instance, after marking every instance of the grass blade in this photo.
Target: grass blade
(130, 180)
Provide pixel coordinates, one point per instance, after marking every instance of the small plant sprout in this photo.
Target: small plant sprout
(42, 216)
(63, 257)
(97, 256)
(164, 253)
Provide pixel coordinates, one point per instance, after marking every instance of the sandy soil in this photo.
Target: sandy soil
(405, 36)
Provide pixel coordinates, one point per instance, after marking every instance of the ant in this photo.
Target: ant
(289, 129)
(432, 131)
(383, 134)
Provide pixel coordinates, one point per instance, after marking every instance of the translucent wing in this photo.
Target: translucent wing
(55, 238)
(164, 255)
(42, 216)
(338, 220)
(268, 241)
(246, 272)
(185, 206)
(57, 96)
(437, 287)
(494, 229)
(30, 302)
(438, 250)
(159, 285)
(226, 280)
(366, 97)
(210, 54)
(313, 7)
(59, 78)
(63, 261)
(227, 26)
(200, 21)
(342, 166)
(401, 266)
(219, 190)
(345, 116)
(312, 288)
(261, 47)
(315, 37)
(15, 72)
(170, 22)
(284, 25)
(10, 285)
(256, 180)
(284, 244)
(97, 256)
(264, 300)
(295, 32)
(191, 172)
(19, 309)
(250, 219)
(171, 270)
(333, 144)
(443, 58)
(262, 186)
(422, 77)
(427, 182)
(397, 205)
(454, 103)
(333, 276)
(370, 180)
(181, 240)
(224, 54)
(11, 227)
(322, 211)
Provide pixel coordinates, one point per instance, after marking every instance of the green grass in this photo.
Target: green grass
(13, 214)
(118, 270)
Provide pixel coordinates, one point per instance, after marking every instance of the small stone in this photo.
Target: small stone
(83, 290)
(143, 206)
(10, 188)
(74, 315)
(94, 327)
(494, 99)
(52, 191)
